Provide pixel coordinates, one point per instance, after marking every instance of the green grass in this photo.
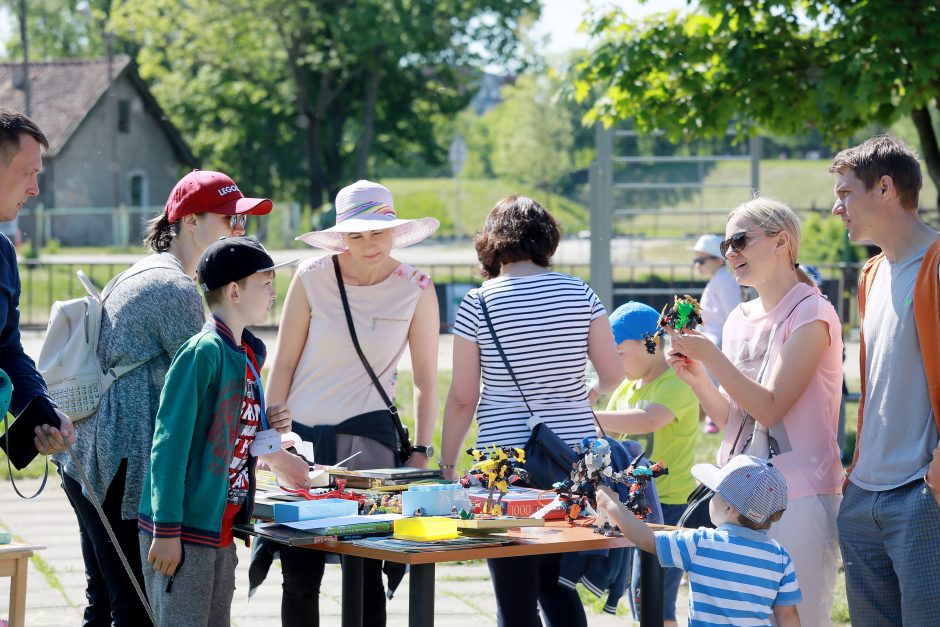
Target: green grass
(802, 184)
(461, 206)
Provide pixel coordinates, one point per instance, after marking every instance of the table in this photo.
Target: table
(554, 537)
(14, 563)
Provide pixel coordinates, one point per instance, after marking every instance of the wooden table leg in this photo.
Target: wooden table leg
(18, 593)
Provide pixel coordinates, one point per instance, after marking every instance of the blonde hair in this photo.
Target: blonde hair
(772, 217)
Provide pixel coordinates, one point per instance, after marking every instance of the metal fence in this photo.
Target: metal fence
(123, 227)
(650, 282)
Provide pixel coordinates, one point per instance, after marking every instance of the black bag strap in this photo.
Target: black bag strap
(763, 367)
(396, 420)
(502, 354)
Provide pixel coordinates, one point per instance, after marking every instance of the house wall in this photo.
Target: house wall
(83, 172)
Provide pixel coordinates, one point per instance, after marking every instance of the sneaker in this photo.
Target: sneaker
(710, 427)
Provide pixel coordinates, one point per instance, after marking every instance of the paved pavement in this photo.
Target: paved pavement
(570, 251)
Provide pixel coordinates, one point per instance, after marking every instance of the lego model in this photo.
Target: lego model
(593, 467)
(685, 313)
(495, 468)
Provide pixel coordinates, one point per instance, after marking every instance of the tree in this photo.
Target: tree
(785, 66)
(309, 92)
(531, 136)
(59, 29)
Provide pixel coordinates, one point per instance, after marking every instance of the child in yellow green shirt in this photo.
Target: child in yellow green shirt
(655, 407)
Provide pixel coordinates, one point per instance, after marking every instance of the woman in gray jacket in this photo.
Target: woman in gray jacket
(146, 317)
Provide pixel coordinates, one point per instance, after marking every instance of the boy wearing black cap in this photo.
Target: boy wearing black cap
(210, 426)
(737, 575)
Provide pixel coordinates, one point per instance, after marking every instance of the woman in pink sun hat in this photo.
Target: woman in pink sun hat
(318, 373)
(367, 206)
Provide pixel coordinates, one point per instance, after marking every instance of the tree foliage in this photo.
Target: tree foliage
(59, 29)
(528, 137)
(786, 66)
(818, 244)
(308, 94)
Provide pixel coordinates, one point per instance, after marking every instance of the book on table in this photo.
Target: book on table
(385, 476)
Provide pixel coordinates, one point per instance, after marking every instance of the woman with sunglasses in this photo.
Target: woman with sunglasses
(154, 308)
(781, 365)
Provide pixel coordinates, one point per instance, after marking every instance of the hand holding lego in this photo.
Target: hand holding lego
(690, 371)
(933, 475)
(279, 417)
(51, 440)
(691, 344)
(684, 315)
(165, 555)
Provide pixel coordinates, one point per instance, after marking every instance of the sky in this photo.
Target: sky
(561, 18)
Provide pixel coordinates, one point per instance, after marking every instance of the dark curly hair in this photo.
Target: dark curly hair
(517, 229)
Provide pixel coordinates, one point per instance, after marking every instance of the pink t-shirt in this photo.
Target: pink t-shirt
(808, 453)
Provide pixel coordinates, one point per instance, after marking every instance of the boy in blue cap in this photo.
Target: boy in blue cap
(654, 406)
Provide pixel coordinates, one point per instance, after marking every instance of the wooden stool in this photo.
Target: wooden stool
(14, 563)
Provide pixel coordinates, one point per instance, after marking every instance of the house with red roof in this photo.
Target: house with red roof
(113, 154)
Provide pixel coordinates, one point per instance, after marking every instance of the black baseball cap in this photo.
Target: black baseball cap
(233, 259)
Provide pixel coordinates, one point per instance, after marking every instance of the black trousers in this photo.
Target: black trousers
(112, 599)
(303, 571)
(525, 584)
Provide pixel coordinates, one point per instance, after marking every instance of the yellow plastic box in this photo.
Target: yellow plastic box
(425, 528)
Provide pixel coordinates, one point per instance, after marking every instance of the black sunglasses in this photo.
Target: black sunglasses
(736, 242)
(701, 260)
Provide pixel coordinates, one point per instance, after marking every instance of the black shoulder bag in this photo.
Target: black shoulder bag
(548, 459)
(696, 512)
(405, 447)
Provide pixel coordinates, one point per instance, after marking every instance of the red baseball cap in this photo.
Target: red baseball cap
(205, 191)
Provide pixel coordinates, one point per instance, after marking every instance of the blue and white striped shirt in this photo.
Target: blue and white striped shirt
(737, 575)
(542, 323)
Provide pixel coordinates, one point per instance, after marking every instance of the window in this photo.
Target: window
(124, 116)
(137, 190)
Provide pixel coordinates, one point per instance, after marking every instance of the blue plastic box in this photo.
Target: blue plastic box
(311, 510)
(435, 499)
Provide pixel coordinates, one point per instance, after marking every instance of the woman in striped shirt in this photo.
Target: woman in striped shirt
(549, 324)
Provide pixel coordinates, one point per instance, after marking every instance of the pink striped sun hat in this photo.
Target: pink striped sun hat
(367, 206)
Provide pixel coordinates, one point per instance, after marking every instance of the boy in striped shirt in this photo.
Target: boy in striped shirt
(738, 575)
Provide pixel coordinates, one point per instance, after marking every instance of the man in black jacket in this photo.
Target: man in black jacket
(21, 144)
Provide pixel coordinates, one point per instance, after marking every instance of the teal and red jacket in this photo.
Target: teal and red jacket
(197, 425)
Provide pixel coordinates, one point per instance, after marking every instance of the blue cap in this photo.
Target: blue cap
(631, 320)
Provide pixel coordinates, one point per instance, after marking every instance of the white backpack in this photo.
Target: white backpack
(68, 360)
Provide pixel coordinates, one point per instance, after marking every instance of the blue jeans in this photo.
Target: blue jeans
(672, 577)
(890, 545)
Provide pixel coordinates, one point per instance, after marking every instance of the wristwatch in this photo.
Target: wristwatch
(427, 451)
(443, 466)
